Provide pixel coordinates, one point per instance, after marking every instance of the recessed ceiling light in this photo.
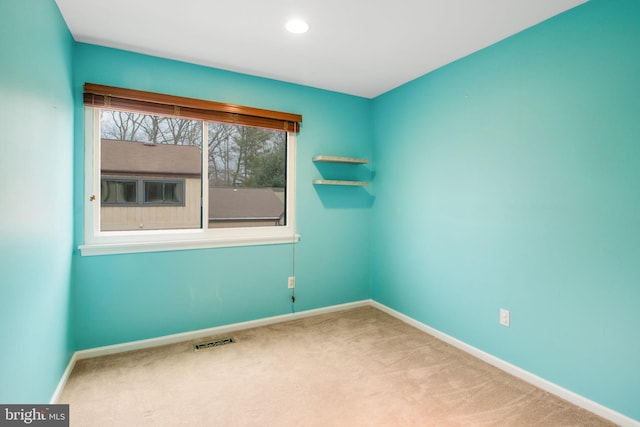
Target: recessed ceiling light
(297, 26)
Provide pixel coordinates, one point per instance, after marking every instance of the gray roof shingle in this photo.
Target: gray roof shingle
(130, 157)
(244, 203)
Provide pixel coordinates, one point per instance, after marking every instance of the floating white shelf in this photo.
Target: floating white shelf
(338, 182)
(338, 159)
(344, 160)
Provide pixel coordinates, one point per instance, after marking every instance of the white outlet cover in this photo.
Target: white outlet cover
(505, 317)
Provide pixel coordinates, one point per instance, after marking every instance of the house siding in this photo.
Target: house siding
(140, 217)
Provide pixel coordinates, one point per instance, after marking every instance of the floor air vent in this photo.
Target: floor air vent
(214, 343)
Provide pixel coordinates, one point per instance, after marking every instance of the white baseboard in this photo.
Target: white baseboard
(541, 383)
(186, 336)
(63, 381)
(202, 333)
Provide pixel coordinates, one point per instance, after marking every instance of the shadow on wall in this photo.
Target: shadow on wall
(345, 196)
(347, 172)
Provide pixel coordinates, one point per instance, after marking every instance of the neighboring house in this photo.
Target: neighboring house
(149, 186)
(245, 207)
(157, 186)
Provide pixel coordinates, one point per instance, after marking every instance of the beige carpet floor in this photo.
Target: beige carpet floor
(358, 367)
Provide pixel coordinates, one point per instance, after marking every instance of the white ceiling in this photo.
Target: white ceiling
(356, 47)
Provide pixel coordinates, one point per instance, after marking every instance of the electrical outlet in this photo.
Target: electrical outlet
(505, 317)
(291, 283)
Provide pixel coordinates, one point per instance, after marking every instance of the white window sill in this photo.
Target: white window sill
(178, 244)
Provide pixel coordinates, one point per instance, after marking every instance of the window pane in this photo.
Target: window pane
(118, 192)
(163, 192)
(161, 158)
(247, 176)
(173, 192)
(153, 192)
(128, 191)
(108, 191)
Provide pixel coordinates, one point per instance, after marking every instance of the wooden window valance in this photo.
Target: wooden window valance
(116, 98)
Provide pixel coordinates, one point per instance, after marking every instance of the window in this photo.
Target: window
(118, 192)
(163, 193)
(181, 180)
(124, 192)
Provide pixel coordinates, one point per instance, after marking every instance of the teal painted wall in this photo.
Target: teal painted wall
(121, 298)
(36, 183)
(506, 179)
(511, 178)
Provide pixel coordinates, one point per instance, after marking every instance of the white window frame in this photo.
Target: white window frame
(98, 242)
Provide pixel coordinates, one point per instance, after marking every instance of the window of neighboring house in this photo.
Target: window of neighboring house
(167, 183)
(118, 192)
(124, 192)
(163, 192)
